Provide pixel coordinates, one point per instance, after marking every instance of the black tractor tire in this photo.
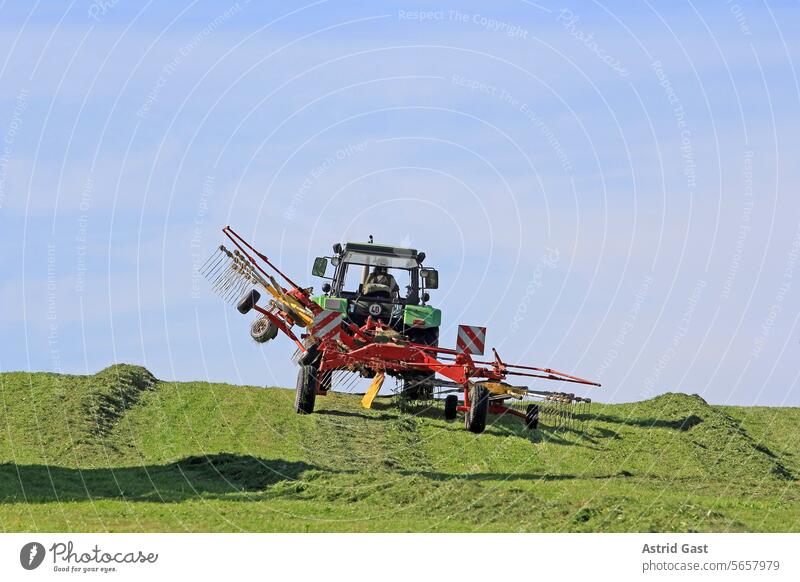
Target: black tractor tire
(247, 301)
(306, 391)
(420, 385)
(532, 417)
(325, 380)
(310, 356)
(450, 406)
(262, 330)
(427, 336)
(475, 419)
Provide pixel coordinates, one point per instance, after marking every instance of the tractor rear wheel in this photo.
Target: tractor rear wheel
(450, 407)
(475, 419)
(532, 416)
(306, 391)
(418, 387)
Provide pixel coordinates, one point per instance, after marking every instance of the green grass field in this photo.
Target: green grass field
(120, 451)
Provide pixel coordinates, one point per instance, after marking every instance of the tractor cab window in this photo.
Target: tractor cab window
(378, 281)
(352, 278)
(381, 281)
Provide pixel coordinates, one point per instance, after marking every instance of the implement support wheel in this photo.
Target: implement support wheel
(475, 418)
(450, 405)
(532, 416)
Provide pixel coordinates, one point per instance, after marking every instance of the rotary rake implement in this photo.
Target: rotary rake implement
(333, 340)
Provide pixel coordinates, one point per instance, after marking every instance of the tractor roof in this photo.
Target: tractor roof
(373, 249)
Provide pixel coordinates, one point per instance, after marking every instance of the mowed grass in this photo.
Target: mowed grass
(121, 451)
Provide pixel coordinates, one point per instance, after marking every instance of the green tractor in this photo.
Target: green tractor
(366, 283)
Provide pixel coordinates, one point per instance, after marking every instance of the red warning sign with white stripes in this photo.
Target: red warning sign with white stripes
(471, 339)
(327, 324)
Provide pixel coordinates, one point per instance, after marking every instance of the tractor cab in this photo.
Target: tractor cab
(386, 283)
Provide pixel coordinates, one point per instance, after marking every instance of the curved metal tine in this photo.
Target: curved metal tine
(346, 381)
(211, 263)
(206, 263)
(235, 291)
(244, 285)
(222, 279)
(351, 382)
(213, 256)
(238, 290)
(226, 293)
(229, 282)
(223, 285)
(223, 259)
(220, 270)
(241, 285)
(225, 256)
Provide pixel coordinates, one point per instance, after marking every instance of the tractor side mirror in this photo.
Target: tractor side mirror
(320, 265)
(431, 278)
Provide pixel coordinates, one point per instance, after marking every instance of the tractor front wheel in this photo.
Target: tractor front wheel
(419, 386)
(306, 391)
(450, 407)
(475, 418)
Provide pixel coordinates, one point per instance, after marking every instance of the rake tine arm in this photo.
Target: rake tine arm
(236, 239)
(551, 372)
(553, 377)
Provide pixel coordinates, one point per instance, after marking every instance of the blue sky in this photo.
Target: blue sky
(611, 189)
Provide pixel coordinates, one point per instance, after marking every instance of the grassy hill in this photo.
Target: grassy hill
(121, 451)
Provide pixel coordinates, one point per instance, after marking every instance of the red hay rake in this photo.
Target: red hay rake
(328, 342)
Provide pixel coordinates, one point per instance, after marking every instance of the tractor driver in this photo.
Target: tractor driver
(380, 276)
